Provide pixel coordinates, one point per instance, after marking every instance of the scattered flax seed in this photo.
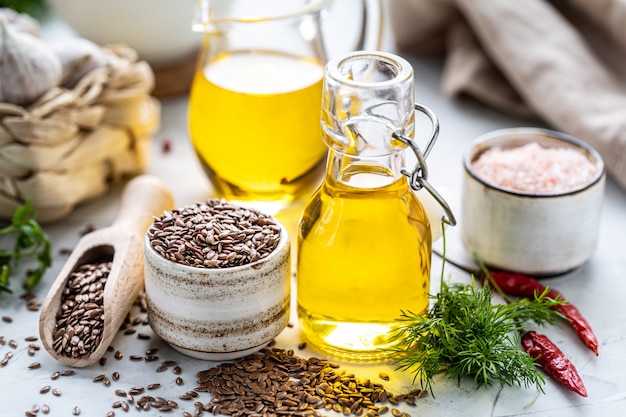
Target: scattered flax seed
(35, 408)
(143, 336)
(177, 370)
(68, 372)
(110, 414)
(6, 359)
(31, 339)
(136, 357)
(153, 386)
(166, 146)
(88, 229)
(130, 331)
(179, 381)
(55, 375)
(302, 346)
(30, 414)
(65, 251)
(76, 411)
(118, 355)
(99, 378)
(103, 361)
(7, 319)
(56, 392)
(45, 389)
(32, 303)
(116, 376)
(45, 408)
(34, 365)
(147, 402)
(13, 344)
(276, 382)
(383, 376)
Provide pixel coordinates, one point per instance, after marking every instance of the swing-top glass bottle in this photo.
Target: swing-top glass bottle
(364, 239)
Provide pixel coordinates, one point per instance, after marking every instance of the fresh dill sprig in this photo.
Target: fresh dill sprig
(464, 334)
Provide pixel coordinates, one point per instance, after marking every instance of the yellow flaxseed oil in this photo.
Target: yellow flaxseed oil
(363, 256)
(254, 123)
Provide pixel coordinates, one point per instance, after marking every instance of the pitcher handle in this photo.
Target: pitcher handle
(371, 34)
(372, 20)
(200, 16)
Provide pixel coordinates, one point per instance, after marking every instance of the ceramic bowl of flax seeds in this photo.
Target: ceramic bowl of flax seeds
(217, 279)
(531, 200)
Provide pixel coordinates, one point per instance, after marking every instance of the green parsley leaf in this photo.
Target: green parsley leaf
(30, 242)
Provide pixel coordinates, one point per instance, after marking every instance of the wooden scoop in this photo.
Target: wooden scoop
(122, 243)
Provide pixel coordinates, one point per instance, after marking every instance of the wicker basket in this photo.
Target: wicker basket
(73, 145)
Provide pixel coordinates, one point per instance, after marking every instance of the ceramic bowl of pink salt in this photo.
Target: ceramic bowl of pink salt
(531, 200)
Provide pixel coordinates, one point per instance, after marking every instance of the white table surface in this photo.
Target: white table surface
(598, 289)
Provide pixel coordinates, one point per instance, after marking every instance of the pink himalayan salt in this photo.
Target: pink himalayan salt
(534, 169)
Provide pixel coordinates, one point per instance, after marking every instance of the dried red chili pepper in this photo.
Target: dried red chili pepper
(553, 361)
(576, 320)
(517, 284)
(525, 286)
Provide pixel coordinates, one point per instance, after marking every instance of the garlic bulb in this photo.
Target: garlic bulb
(28, 68)
(78, 56)
(20, 21)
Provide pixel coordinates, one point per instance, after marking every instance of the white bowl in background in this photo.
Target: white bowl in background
(159, 30)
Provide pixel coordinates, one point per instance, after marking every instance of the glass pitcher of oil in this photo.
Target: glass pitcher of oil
(255, 98)
(364, 239)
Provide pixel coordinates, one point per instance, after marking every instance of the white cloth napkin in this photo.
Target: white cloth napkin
(562, 60)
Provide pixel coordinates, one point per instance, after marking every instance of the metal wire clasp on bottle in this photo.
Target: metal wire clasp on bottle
(418, 177)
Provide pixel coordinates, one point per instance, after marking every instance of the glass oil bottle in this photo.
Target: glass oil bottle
(364, 240)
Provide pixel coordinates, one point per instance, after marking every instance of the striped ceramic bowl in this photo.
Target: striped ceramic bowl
(218, 313)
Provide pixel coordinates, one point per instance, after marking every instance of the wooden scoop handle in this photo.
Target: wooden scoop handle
(143, 197)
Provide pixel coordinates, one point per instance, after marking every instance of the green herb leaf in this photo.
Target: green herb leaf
(465, 335)
(33, 7)
(31, 242)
